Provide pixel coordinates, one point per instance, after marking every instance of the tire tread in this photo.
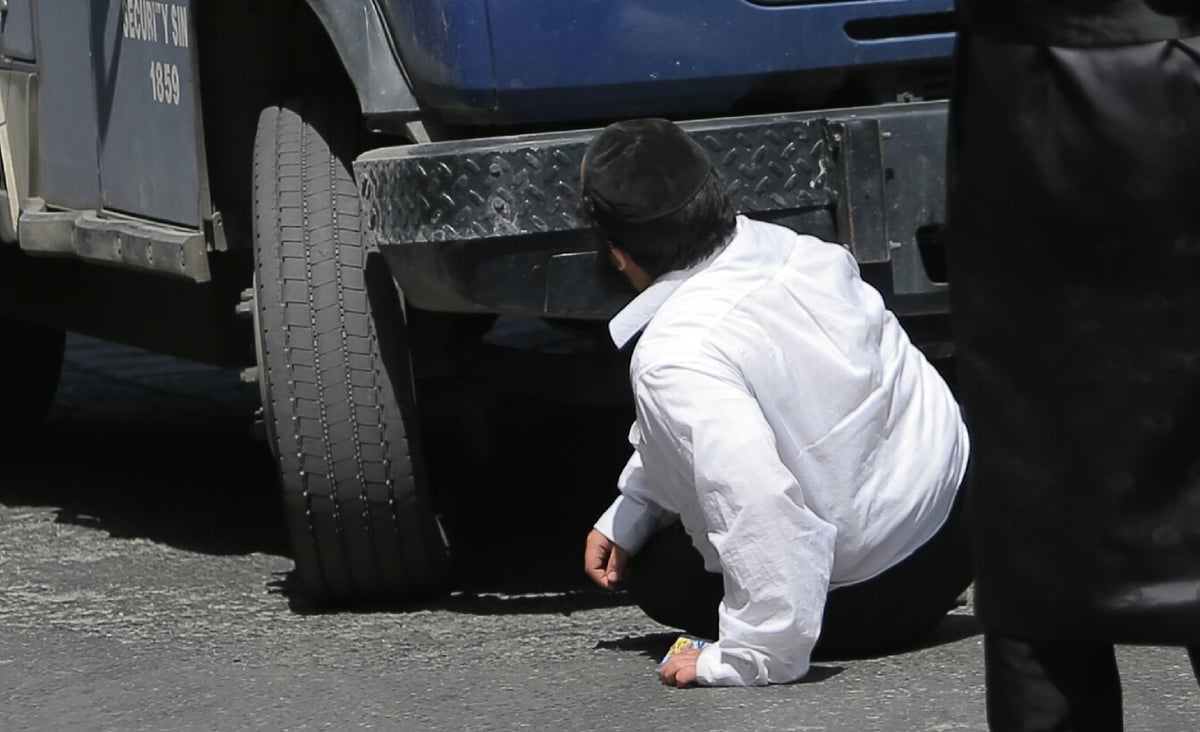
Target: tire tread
(361, 524)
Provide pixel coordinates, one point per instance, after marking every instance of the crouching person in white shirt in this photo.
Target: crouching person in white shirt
(796, 469)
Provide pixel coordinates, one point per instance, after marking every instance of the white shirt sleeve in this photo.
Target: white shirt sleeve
(775, 554)
(633, 518)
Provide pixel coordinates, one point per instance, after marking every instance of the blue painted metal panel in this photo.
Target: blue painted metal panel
(446, 50)
(577, 55)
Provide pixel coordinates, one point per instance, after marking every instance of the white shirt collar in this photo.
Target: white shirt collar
(635, 316)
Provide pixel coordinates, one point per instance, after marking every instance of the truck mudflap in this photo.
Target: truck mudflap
(493, 225)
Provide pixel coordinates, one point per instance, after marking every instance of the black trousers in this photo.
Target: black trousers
(1053, 686)
(667, 579)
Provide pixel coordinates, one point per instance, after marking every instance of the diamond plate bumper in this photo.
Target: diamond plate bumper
(491, 225)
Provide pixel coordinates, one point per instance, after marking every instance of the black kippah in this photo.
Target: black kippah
(643, 169)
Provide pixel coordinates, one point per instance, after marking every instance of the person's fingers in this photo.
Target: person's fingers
(680, 669)
(670, 670)
(618, 561)
(686, 675)
(666, 674)
(596, 558)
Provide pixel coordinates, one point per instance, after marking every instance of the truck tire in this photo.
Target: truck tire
(334, 369)
(31, 373)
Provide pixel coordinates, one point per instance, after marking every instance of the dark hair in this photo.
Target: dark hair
(675, 241)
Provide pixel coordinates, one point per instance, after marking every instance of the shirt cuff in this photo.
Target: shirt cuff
(712, 670)
(629, 523)
(742, 667)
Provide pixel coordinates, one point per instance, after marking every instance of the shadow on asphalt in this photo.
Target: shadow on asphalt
(190, 479)
(466, 602)
(143, 446)
(952, 629)
(653, 645)
(520, 482)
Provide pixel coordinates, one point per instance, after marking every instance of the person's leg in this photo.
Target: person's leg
(904, 603)
(1050, 686)
(668, 582)
(667, 579)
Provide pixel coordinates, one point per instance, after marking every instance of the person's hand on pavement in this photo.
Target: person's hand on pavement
(680, 669)
(604, 561)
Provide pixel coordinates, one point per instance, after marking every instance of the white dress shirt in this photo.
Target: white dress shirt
(786, 419)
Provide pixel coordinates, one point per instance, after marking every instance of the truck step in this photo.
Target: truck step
(126, 242)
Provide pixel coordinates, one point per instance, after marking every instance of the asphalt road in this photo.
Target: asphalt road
(144, 585)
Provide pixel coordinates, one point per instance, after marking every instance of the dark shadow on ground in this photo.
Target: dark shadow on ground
(520, 480)
(185, 486)
(521, 483)
(143, 446)
(559, 602)
(952, 629)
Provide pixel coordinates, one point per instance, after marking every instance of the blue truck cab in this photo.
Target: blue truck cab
(292, 186)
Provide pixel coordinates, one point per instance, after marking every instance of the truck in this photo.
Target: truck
(307, 189)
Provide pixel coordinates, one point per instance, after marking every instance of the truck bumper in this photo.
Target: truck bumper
(492, 225)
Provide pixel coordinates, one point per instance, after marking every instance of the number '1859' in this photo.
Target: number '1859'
(164, 82)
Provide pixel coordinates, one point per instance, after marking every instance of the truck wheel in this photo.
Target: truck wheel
(334, 369)
(31, 373)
